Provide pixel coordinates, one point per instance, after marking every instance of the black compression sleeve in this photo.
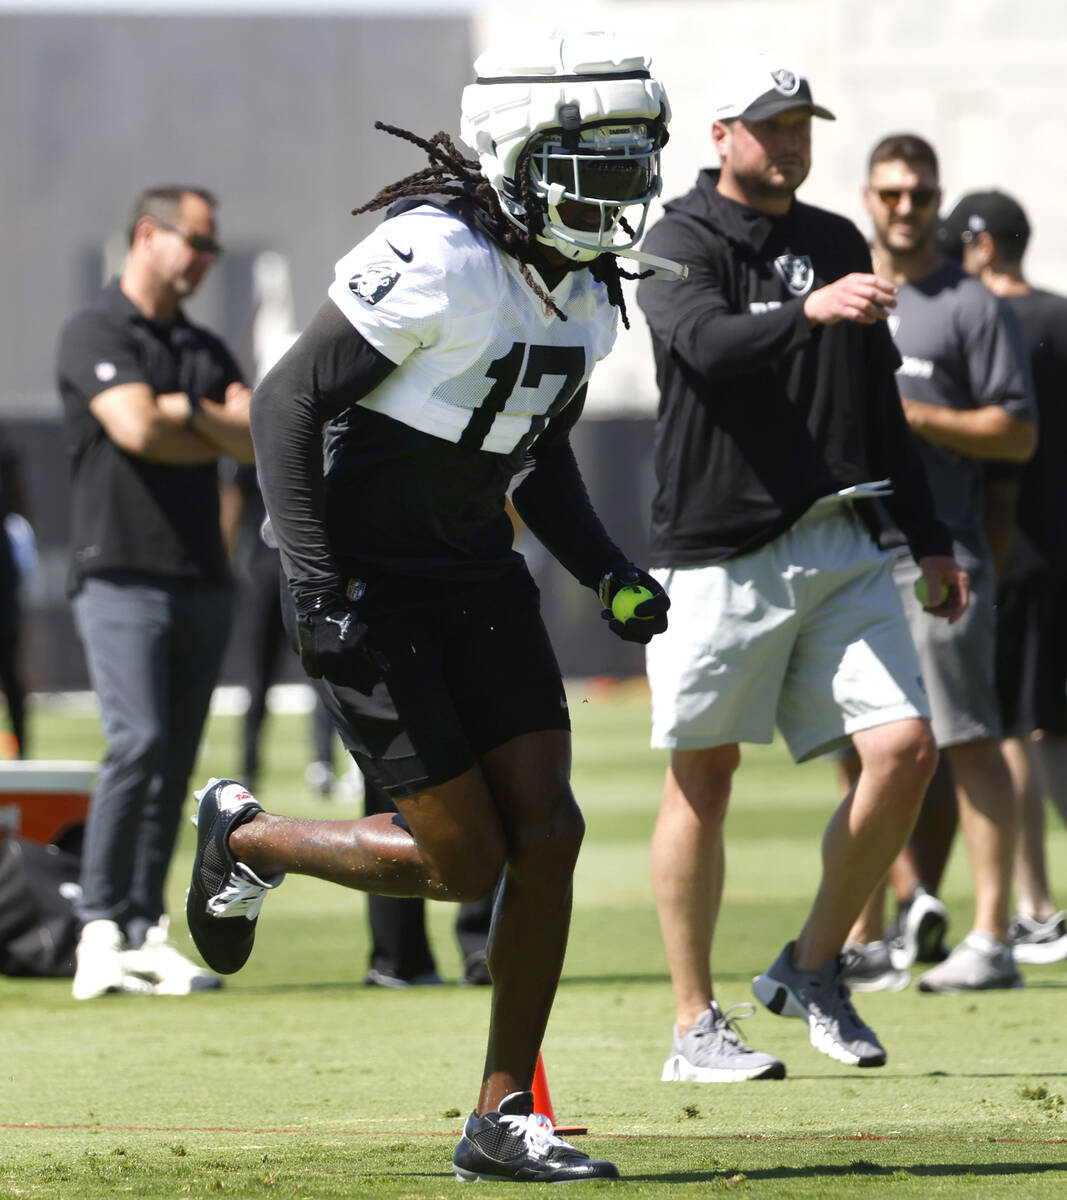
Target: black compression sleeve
(552, 501)
(328, 368)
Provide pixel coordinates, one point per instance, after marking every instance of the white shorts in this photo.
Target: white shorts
(806, 633)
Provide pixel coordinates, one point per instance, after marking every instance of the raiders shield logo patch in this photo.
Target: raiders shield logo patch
(785, 81)
(796, 272)
(373, 283)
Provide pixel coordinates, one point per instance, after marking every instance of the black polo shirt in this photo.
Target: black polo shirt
(127, 513)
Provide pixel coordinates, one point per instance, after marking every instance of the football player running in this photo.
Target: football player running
(450, 359)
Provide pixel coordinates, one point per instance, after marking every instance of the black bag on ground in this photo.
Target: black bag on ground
(38, 928)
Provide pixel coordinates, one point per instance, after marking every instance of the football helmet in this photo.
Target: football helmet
(576, 121)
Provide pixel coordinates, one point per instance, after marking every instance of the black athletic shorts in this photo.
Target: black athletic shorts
(1032, 655)
(470, 667)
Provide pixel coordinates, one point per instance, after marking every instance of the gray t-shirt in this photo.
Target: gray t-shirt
(958, 351)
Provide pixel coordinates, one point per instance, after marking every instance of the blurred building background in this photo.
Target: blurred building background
(272, 106)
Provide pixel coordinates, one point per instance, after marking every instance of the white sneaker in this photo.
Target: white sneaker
(978, 963)
(165, 968)
(1034, 941)
(921, 927)
(100, 969)
(319, 778)
(351, 787)
(869, 968)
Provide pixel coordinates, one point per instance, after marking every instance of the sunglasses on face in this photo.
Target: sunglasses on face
(197, 242)
(920, 197)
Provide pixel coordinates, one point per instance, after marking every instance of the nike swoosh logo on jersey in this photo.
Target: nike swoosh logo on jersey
(400, 253)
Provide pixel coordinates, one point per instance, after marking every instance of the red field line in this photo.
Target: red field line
(669, 1137)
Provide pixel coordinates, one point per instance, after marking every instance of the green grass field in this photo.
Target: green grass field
(295, 1081)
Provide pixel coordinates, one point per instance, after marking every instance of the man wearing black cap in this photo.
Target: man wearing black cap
(989, 233)
(779, 420)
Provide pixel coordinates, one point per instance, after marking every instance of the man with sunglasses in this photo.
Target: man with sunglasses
(966, 395)
(151, 403)
(779, 420)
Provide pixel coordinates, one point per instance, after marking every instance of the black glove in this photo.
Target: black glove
(649, 617)
(332, 642)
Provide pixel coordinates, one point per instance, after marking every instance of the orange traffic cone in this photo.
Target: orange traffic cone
(543, 1102)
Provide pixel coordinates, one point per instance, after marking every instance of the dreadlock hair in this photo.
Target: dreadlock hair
(452, 174)
(606, 270)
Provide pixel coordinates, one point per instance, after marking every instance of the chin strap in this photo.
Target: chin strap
(664, 268)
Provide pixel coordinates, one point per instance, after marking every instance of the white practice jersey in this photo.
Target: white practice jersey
(481, 360)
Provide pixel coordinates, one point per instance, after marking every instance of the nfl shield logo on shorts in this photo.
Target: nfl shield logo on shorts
(797, 273)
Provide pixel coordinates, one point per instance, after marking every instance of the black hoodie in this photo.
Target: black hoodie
(761, 414)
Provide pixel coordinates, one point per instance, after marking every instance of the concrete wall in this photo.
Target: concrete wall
(275, 115)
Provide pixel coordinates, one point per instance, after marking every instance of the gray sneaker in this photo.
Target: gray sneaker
(977, 964)
(376, 978)
(821, 998)
(711, 1052)
(868, 968)
(1034, 941)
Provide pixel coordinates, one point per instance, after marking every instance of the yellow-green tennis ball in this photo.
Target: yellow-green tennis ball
(922, 593)
(626, 599)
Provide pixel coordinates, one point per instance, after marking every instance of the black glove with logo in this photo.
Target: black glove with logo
(332, 643)
(632, 616)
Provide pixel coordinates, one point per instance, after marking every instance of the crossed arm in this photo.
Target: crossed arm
(169, 428)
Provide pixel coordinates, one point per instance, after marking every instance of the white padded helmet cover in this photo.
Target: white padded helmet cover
(597, 72)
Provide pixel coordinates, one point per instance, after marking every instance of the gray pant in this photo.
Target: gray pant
(154, 651)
